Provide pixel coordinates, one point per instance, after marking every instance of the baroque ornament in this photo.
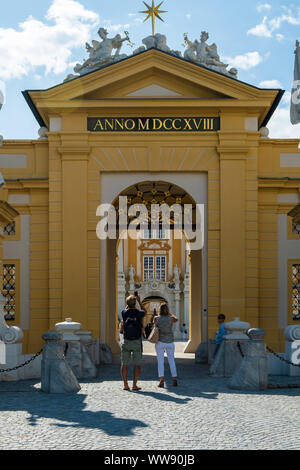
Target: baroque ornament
(153, 12)
(107, 51)
(203, 54)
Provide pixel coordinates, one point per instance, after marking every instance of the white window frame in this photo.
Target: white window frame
(158, 271)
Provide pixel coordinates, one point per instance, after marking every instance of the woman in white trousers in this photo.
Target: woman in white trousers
(164, 322)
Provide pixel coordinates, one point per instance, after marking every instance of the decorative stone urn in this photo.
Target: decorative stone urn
(76, 354)
(68, 329)
(236, 329)
(256, 334)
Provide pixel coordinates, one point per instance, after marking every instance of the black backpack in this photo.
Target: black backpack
(132, 325)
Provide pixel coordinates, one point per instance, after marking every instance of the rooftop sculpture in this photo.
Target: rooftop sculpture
(203, 54)
(101, 53)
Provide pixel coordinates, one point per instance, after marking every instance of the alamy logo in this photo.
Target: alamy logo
(126, 221)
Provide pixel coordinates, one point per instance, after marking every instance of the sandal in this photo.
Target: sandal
(175, 383)
(161, 384)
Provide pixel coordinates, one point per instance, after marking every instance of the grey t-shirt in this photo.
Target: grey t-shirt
(165, 327)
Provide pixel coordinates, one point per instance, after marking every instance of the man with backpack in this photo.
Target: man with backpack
(131, 327)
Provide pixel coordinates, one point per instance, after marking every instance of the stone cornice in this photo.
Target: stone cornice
(295, 213)
(275, 183)
(7, 213)
(233, 153)
(35, 183)
(74, 153)
(276, 207)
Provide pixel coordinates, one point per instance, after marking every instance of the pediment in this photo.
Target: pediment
(154, 84)
(150, 75)
(153, 91)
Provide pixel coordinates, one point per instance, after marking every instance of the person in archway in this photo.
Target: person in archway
(131, 327)
(150, 325)
(221, 333)
(164, 321)
(184, 332)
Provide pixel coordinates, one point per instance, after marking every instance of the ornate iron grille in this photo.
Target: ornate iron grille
(10, 229)
(296, 228)
(9, 290)
(296, 291)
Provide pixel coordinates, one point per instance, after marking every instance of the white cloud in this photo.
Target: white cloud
(42, 44)
(188, 16)
(114, 28)
(268, 26)
(246, 61)
(286, 99)
(263, 6)
(270, 84)
(133, 16)
(280, 126)
(262, 29)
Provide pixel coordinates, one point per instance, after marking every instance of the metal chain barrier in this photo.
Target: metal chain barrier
(25, 363)
(240, 349)
(282, 358)
(272, 352)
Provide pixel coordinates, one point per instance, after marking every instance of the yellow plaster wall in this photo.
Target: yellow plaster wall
(242, 208)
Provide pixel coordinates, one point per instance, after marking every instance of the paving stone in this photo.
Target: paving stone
(201, 413)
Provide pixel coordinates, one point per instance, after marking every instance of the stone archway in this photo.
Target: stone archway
(109, 267)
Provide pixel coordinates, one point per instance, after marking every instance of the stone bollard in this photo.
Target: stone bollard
(252, 373)
(228, 357)
(90, 344)
(88, 368)
(292, 349)
(76, 353)
(105, 354)
(56, 376)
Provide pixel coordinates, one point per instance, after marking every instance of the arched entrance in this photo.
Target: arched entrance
(152, 304)
(179, 283)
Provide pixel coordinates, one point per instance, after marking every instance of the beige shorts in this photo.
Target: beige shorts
(131, 347)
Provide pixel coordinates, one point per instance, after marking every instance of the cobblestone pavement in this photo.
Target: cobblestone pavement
(202, 413)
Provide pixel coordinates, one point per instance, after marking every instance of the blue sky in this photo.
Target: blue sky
(40, 41)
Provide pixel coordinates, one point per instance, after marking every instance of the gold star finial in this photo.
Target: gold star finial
(153, 12)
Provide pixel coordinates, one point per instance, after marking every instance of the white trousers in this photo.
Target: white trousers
(160, 351)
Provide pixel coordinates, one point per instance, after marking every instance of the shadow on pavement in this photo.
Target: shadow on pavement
(70, 410)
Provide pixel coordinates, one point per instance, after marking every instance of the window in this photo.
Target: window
(296, 228)
(10, 229)
(160, 269)
(155, 268)
(160, 234)
(296, 291)
(148, 268)
(9, 290)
